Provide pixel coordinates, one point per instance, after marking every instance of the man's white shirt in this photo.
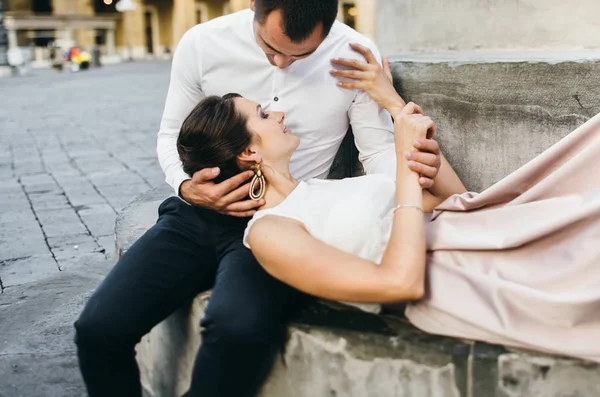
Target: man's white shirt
(222, 56)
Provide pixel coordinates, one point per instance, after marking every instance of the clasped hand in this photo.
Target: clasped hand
(377, 81)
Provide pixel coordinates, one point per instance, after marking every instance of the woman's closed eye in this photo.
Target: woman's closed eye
(262, 113)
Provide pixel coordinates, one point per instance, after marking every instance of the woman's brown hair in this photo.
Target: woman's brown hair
(213, 135)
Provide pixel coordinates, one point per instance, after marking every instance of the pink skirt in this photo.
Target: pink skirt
(519, 264)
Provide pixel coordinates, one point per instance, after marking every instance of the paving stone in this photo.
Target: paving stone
(115, 177)
(58, 222)
(83, 195)
(49, 200)
(121, 195)
(38, 179)
(17, 246)
(11, 216)
(24, 228)
(27, 270)
(99, 218)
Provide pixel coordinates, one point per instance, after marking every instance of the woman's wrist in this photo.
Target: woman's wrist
(395, 106)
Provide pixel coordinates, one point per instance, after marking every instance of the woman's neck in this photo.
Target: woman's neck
(280, 184)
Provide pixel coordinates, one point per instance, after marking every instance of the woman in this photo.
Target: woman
(505, 266)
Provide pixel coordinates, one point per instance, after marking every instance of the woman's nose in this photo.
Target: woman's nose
(279, 116)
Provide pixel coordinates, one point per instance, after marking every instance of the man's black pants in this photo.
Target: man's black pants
(188, 251)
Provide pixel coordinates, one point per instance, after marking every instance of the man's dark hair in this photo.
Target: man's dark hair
(213, 135)
(300, 17)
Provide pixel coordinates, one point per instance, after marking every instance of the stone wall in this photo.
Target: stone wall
(465, 25)
(494, 116)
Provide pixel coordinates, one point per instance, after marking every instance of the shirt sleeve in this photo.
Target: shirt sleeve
(185, 91)
(373, 133)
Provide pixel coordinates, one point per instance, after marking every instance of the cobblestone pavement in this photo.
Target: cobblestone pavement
(75, 148)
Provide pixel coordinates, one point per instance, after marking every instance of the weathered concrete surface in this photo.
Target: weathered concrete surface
(439, 25)
(37, 353)
(335, 350)
(493, 117)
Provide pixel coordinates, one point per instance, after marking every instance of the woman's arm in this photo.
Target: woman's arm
(289, 253)
(447, 182)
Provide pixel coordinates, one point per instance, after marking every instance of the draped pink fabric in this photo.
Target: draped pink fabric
(519, 264)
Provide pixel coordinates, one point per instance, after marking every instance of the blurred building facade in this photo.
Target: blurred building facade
(151, 30)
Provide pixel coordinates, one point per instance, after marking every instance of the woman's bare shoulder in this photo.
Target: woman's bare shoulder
(275, 230)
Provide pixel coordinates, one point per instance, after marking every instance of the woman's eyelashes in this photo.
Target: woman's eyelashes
(263, 114)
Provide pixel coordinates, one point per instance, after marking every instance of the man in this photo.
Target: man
(277, 54)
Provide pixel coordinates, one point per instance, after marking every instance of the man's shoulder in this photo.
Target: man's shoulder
(341, 35)
(236, 21)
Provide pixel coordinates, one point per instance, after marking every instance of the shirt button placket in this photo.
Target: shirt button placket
(278, 79)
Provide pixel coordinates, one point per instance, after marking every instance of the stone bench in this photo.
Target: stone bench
(492, 117)
(336, 350)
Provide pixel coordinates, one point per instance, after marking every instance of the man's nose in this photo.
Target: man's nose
(282, 61)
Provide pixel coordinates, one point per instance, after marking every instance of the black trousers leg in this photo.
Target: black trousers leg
(167, 267)
(244, 325)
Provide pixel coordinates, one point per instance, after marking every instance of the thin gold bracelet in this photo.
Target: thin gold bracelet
(400, 206)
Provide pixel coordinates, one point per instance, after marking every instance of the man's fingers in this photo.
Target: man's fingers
(352, 63)
(430, 125)
(243, 206)
(423, 170)
(425, 183)
(412, 108)
(430, 159)
(205, 175)
(351, 74)
(428, 145)
(236, 195)
(354, 85)
(234, 182)
(365, 52)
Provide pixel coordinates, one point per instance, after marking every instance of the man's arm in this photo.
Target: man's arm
(371, 124)
(373, 135)
(184, 93)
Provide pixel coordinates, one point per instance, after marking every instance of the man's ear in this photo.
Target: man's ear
(249, 155)
(252, 7)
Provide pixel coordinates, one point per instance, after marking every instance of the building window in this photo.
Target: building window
(349, 14)
(201, 12)
(42, 6)
(105, 6)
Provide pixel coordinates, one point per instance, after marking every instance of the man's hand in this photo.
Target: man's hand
(226, 197)
(425, 161)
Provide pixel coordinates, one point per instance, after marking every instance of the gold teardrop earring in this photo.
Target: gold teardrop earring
(258, 179)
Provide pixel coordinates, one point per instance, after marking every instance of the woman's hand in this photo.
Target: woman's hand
(412, 126)
(371, 78)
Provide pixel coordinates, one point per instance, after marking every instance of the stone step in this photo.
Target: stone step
(336, 350)
(497, 110)
(465, 25)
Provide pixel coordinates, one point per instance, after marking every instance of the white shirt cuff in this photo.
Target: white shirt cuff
(179, 177)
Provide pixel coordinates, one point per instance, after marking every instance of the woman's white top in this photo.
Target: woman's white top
(353, 214)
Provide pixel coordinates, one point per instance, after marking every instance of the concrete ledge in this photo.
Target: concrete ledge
(336, 350)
